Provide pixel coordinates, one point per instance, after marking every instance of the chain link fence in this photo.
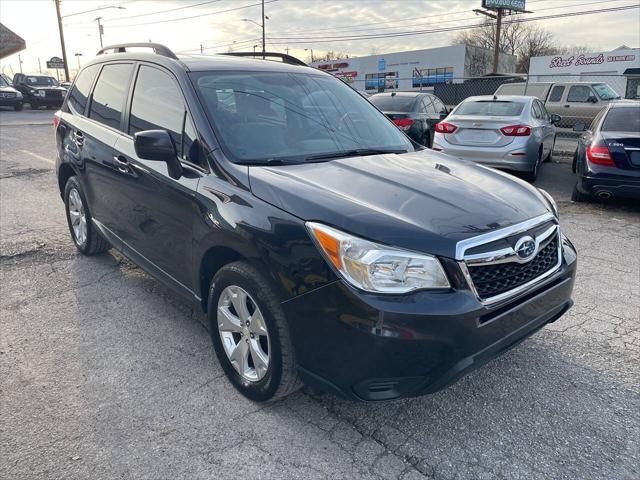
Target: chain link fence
(576, 98)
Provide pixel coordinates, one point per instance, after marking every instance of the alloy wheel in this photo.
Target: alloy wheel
(78, 217)
(244, 333)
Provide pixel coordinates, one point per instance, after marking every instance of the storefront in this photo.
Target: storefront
(417, 69)
(620, 68)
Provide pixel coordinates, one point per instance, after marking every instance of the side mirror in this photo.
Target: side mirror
(443, 115)
(579, 127)
(555, 119)
(592, 99)
(157, 145)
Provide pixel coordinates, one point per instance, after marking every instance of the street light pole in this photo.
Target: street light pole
(78, 55)
(263, 32)
(64, 51)
(100, 30)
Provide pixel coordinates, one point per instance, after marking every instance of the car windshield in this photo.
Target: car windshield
(42, 81)
(605, 92)
(393, 103)
(280, 116)
(622, 119)
(3, 82)
(490, 108)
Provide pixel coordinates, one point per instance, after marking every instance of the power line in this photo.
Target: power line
(163, 11)
(295, 40)
(192, 16)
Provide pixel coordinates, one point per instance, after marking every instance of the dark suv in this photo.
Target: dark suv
(323, 244)
(39, 90)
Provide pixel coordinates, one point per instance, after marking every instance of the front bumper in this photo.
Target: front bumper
(10, 102)
(372, 347)
(520, 155)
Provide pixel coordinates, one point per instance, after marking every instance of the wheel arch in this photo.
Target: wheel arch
(65, 172)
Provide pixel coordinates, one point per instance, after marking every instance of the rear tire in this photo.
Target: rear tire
(426, 141)
(532, 176)
(85, 235)
(550, 156)
(579, 197)
(241, 280)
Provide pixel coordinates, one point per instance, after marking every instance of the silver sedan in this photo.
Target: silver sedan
(507, 132)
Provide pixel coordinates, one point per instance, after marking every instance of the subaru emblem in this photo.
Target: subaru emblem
(525, 248)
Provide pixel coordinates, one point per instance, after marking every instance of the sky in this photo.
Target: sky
(219, 25)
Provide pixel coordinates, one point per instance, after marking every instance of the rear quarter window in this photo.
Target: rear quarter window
(79, 94)
(109, 94)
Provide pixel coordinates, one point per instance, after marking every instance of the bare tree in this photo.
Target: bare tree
(328, 56)
(522, 39)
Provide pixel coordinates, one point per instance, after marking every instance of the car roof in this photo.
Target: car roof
(198, 63)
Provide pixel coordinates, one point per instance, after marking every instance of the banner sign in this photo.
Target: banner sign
(55, 62)
(516, 5)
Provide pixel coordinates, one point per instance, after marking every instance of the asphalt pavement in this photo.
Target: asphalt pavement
(104, 373)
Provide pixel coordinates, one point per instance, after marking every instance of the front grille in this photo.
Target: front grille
(7, 95)
(492, 280)
(53, 94)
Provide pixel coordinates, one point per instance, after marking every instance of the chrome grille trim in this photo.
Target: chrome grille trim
(507, 255)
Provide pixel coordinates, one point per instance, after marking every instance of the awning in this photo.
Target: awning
(10, 43)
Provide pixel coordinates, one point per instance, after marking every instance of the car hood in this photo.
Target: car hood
(46, 87)
(424, 201)
(8, 90)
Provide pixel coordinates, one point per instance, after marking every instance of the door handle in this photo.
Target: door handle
(567, 106)
(122, 164)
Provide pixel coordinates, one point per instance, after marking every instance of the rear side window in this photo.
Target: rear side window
(556, 93)
(536, 110)
(79, 94)
(109, 94)
(157, 104)
(579, 94)
(623, 119)
(491, 108)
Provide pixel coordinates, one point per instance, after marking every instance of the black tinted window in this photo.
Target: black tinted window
(579, 94)
(556, 93)
(109, 94)
(393, 103)
(429, 106)
(624, 119)
(191, 151)
(157, 104)
(80, 92)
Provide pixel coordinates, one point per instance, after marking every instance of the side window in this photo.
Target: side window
(109, 94)
(157, 104)
(579, 94)
(191, 150)
(596, 120)
(431, 110)
(535, 110)
(79, 94)
(440, 108)
(556, 93)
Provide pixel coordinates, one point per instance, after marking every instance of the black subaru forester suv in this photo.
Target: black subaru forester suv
(324, 245)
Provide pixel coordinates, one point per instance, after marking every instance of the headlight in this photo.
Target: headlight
(550, 201)
(377, 268)
(18, 95)
(40, 93)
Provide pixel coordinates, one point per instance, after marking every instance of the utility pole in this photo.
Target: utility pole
(263, 33)
(496, 46)
(287, 50)
(201, 49)
(100, 30)
(20, 62)
(39, 65)
(64, 51)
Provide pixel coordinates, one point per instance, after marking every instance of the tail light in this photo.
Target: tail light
(600, 155)
(444, 127)
(403, 123)
(56, 120)
(516, 131)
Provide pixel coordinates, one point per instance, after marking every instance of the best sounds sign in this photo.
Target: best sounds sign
(579, 60)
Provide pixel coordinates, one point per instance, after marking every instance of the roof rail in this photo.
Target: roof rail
(156, 47)
(260, 55)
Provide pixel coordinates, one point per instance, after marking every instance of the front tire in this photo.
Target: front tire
(17, 107)
(34, 105)
(85, 236)
(250, 334)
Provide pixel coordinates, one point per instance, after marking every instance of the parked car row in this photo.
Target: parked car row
(517, 133)
(35, 90)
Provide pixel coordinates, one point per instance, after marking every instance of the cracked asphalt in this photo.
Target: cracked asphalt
(104, 373)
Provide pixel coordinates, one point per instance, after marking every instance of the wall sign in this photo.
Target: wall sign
(560, 62)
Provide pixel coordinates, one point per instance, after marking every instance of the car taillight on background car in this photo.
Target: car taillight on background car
(56, 120)
(444, 127)
(403, 123)
(516, 131)
(599, 155)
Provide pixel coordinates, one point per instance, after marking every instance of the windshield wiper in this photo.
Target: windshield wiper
(357, 152)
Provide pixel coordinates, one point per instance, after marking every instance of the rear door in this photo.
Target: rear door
(160, 211)
(97, 136)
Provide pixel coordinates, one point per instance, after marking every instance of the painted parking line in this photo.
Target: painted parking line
(39, 157)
